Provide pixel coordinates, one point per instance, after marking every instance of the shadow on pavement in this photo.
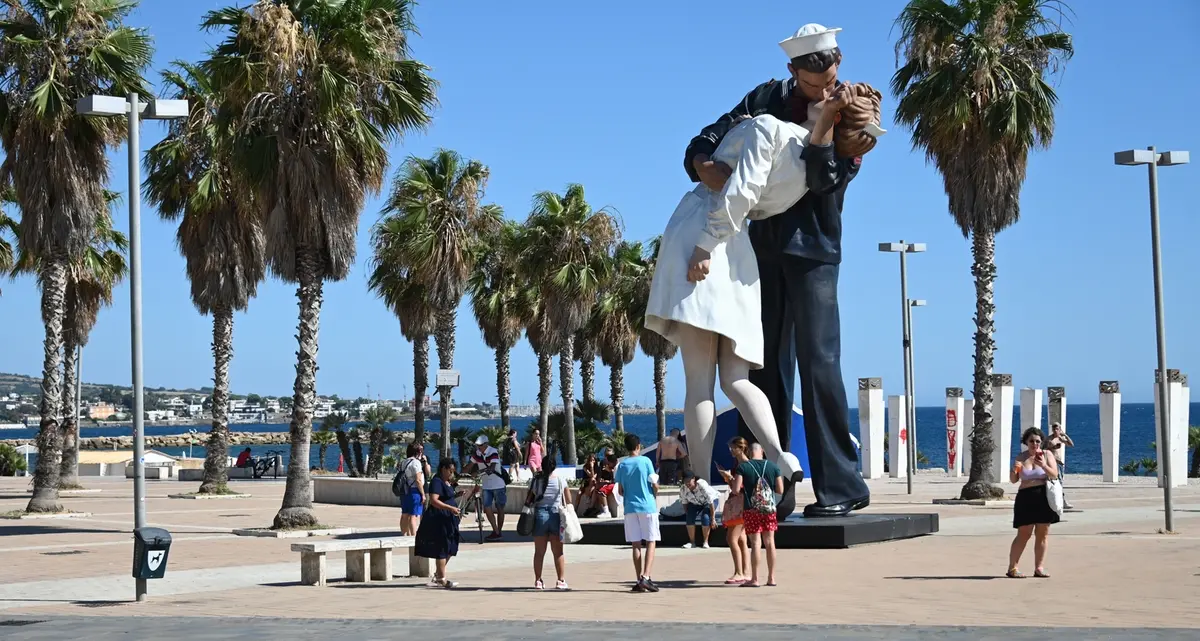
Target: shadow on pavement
(27, 530)
(945, 578)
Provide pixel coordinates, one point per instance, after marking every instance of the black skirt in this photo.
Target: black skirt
(1033, 508)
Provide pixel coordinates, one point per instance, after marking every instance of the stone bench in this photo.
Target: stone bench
(312, 559)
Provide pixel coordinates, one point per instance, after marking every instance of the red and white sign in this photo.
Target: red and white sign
(951, 419)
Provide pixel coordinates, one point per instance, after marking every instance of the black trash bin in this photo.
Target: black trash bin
(150, 548)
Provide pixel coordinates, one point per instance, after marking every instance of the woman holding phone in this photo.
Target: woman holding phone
(732, 519)
(1032, 514)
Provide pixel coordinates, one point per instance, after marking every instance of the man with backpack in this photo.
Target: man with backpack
(760, 481)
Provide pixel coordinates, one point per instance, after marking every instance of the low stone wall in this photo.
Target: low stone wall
(175, 440)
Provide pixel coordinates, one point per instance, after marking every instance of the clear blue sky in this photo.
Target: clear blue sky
(548, 93)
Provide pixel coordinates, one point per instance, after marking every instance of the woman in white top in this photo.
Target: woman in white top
(1032, 513)
(712, 308)
(549, 495)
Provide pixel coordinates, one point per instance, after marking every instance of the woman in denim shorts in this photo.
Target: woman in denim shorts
(549, 496)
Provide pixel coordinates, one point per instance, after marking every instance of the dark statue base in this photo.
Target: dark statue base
(795, 532)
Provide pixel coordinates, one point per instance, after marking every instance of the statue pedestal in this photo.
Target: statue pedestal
(1031, 409)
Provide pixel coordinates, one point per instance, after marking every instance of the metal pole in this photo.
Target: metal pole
(78, 387)
(1164, 419)
(912, 390)
(907, 383)
(135, 325)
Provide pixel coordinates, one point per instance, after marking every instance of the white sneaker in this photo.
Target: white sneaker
(688, 546)
(705, 546)
(562, 585)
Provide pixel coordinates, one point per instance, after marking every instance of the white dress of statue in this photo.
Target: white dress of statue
(717, 322)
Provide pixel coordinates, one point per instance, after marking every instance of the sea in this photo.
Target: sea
(1083, 424)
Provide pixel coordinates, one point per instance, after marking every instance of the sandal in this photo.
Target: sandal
(734, 581)
(748, 584)
(1041, 574)
(1014, 574)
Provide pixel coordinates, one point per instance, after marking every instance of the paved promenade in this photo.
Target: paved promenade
(1111, 569)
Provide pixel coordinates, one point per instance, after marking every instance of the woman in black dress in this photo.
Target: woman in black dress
(437, 537)
(1032, 514)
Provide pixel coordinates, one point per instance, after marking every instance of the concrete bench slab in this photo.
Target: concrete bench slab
(313, 567)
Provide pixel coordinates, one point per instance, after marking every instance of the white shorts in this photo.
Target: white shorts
(641, 527)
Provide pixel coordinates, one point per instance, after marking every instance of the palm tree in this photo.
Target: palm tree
(1194, 446)
(567, 250)
(9, 228)
(323, 438)
(585, 352)
(408, 302)
(90, 283)
(973, 91)
(532, 311)
(91, 278)
(53, 52)
(653, 344)
(376, 420)
(312, 127)
(335, 423)
(431, 226)
(190, 178)
(495, 287)
(618, 320)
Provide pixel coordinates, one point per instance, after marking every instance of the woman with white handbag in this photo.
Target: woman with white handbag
(1038, 504)
(548, 496)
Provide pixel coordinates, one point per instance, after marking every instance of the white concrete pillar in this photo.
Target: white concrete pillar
(1110, 430)
(968, 422)
(1002, 425)
(1177, 398)
(1031, 409)
(1057, 412)
(897, 437)
(954, 430)
(871, 426)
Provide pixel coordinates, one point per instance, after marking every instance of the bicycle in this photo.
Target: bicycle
(472, 501)
(267, 463)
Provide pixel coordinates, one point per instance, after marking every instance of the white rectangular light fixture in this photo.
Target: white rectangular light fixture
(916, 247)
(920, 302)
(1168, 158)
(159, 109)
(1134, 157)
(891, 247)
(102, 106)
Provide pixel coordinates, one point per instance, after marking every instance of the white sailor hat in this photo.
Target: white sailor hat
(810, 39)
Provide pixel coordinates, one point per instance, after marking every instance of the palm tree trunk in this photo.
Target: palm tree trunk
(660, 395)
(376, 462)
(68, 475)
(356, 445)
(420, 384)
(321, 450)
(587, 368)
(445, 347)
(216, 455)
(502, 385)
(296, 511)
(545, 384)
(616, 382)
(45, 475)
(981, 482)
(343, 441)
(566, 380)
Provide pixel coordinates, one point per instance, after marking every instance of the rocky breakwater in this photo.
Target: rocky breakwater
(174, 440)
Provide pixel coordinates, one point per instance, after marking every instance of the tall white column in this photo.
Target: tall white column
(897, 437)
(1031, 409)
(1177, 398)
(1002, 427)
(954, 430)
(1057, 412)
(1110, 430)
(968, 427)
(871, 426)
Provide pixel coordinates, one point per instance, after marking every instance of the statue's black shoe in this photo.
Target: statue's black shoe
(838, 509)
(787, 502)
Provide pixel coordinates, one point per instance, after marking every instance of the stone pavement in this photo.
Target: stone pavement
(200, 629)
(1111, 569)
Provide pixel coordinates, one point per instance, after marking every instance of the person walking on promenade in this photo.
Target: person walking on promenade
(412, 502)
(732, 516)
(535, 452)
(548, 495)
(485, 460)
(1032, 513)
(1058, 443)
(760, 481)
(636, 480)
(700, 508)
(437, 537)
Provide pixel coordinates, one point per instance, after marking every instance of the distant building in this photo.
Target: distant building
(159, 415)
(101, 410)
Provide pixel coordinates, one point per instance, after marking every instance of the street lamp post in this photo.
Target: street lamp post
(1154, 159)
(912, 393)
(135, 110)
(904, 249)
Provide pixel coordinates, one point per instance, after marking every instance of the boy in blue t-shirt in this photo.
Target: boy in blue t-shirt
(638, 484)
